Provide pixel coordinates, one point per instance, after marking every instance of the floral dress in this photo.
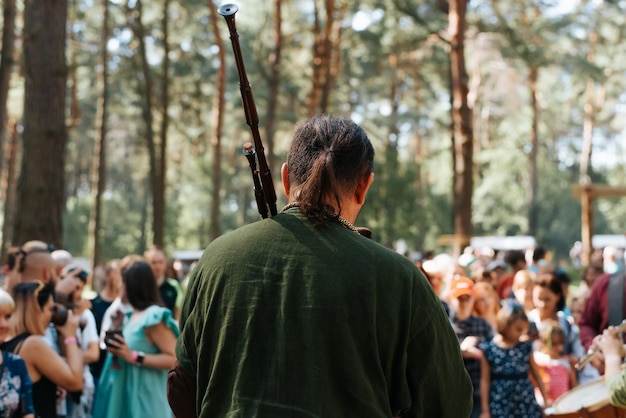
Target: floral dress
(16, 397)
(511, 394)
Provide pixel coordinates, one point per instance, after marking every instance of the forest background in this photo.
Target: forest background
(122, 124)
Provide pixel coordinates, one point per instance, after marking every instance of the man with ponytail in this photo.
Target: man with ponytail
(299, 315)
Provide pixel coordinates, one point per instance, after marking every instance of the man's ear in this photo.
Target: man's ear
(362, 188)
(284, 174)
(45, 275)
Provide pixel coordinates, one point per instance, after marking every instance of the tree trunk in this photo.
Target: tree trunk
(6, 69)
(274, 87)
(9, 190)
(322, 57)
(74, 106)
(41, 186)
(98, 173)
(147, 92)
(216, 127)
(461, 129)
(585, 158)
(421, 178)
(161, 181)
(533, 75)
(142, 244)
(334, 53)
(391, 159)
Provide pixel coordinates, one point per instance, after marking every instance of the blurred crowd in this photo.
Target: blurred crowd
(67, 355)
(523, 327)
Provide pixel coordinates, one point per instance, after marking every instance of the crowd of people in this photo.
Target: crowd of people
(64, 355)
(524, 330)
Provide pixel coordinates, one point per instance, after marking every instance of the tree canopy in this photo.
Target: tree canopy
(534, 68)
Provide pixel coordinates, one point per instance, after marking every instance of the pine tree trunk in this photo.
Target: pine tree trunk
(216, 128)
(6, 69)
(533, 76)
(147, 92)
(41, 186)
(461, 128)
(98, 173)
(9, 189)
(322, 52)
(585, 156)
(333, 43)
(274, 87)
(159, 193)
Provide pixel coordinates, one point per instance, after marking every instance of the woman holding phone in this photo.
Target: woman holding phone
(144, 351)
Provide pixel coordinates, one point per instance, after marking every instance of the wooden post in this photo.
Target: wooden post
(587, 193)
(586, 203)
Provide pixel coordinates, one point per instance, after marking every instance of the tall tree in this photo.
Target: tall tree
(526, 40)
(326, 58)
(155, 148)
(462, 132)
(274, 85)
(217, 118)
(98, 171)
(6, 68)
(161, 174)
(9, 188)
(40, 202)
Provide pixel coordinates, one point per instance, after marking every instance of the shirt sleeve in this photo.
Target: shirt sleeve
(89, 333)
(591, 320)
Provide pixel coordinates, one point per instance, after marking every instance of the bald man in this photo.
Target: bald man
(32, 262)
(62, 258)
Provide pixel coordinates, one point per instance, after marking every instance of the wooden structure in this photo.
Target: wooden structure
(587, 193)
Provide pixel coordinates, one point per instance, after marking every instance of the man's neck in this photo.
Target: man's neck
(160, 280)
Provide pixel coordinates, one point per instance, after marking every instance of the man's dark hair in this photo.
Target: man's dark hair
(328, 157)
(513, 257)
(12, 257)
(141, 287)
(539, 254)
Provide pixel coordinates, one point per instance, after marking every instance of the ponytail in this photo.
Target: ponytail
(328, 158)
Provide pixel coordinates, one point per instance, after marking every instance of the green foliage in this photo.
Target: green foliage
(411, 196)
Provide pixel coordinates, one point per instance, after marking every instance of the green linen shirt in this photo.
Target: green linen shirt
(286, 319)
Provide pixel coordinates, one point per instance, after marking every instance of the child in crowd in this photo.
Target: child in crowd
(522, 288)
(577, 308)
(470, 330)
(505, 388)
(486, 303)
(555, 370)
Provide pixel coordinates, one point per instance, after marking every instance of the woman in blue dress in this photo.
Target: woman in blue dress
(505, 388)
(134, 377)
(16, 396)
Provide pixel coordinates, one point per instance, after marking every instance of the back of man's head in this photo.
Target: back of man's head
(514, 257)
(539, 254)
(36, 263)
(62, 258)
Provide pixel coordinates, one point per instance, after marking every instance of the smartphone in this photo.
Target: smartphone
(109, 335)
